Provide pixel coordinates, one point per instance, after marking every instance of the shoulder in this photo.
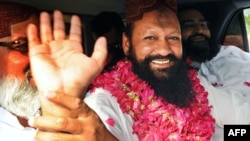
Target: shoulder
(232, 52)
(108, 109)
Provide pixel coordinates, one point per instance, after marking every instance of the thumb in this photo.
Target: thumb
(100, 52)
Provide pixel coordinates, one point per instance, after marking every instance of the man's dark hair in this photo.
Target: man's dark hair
(105, 21)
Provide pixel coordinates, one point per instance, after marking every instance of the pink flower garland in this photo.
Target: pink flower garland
(154, 118)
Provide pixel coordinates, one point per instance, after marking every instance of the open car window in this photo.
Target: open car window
(238, 31)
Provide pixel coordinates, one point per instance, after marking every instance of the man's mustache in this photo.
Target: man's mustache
(198, 35)
(170, 57)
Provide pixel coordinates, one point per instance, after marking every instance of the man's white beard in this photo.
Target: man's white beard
(18, 97)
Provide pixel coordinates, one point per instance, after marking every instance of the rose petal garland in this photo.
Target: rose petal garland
(154, 118)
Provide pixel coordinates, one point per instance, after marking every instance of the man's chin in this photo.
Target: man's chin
(160, 74)
(19, 97)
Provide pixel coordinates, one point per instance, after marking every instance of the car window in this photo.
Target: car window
(238, 31)
(247, 24)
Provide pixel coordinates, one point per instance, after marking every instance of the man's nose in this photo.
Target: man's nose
(164, 47)
(198, 28)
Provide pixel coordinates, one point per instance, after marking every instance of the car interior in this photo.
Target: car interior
(229, 19)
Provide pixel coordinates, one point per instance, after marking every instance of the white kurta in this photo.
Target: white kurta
(12, 130)
(106, 106)
(228, 108)
(229, 72)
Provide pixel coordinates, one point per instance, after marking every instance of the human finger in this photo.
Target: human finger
(57, 124)
(100, 52)
(58, 136)
(75, 29)
(45, 28)
(59, 26)
(68, 101)
(33, 39)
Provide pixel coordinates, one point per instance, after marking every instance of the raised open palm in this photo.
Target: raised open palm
(60, 67)
(57, 60)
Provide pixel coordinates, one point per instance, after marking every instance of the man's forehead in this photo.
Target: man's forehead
(190, 14)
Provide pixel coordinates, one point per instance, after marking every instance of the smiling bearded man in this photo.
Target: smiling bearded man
(173, 84)
(152, 85)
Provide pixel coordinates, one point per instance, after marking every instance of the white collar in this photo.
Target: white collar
(9, 119)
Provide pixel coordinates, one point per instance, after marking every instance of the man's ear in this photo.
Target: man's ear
(125, 44)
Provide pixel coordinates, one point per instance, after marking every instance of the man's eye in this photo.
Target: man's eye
(149, 38)
(18, 43)
(174, 38)
(189, 25)
(204, 24)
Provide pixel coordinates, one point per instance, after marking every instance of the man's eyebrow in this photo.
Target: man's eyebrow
(200, 20)
(21, 38)
(184, 21)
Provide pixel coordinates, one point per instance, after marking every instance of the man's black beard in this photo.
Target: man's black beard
(175, 87)
(200, 51)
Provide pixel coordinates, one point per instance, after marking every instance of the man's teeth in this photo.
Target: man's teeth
(161, 62)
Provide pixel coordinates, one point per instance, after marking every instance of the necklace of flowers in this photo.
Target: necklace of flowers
(154, 118)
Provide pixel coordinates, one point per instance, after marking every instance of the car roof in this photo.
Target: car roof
(93, 7)
(88, 7)
(82, 7)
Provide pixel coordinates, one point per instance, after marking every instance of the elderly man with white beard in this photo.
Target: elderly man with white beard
(20, 100)
(18, 97)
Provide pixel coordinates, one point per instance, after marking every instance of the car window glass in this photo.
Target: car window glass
(246, 13)
(238, 31)
(234, 33)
